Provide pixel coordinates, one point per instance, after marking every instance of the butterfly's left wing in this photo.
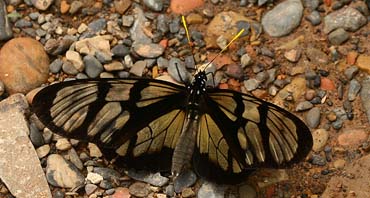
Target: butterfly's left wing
(135, 118)
(239, 132)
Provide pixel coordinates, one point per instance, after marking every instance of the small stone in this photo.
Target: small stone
(162, 63)
(339, 163)
(352, 137)
(187, 192)
(57, 47)
(56, 66)
(155, 5)
(283, 18)
(247, 191)
(68, 68)
(94, 178)
(354, 89)
(114, 66)
(310, 94)
(245, 60)
(64, 7)
(303, 106)
(139, 189)
(107, 173)
(338, 36)
(93, 67)
(75, 7)
(42, 4)
(148, 50)
(94, 150)
(313, 117)
(180, 6)
(138, 68)
(318, 160)
(74, 158)
(75, 59)
(350, 72)
(320, 137)
(121, 192)
(105, 184)
(314, 18)
(82, 28)
(120, 51)
(331, 116)
(194, 18)
(251, 84)
(211, 190)
(121, 6)
(127, 20)
(363, 63)
(234, 71)
(62, 173)
(347, 18)
(292, 55)
(153, 179)
(63, 144)
(327, 84)
(43, 151)
(316, 56)
(90, 188)
(29, 68)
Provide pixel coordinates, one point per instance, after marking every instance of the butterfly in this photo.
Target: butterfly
(158, 125)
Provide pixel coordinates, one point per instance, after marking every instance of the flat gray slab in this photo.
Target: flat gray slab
(20, 168)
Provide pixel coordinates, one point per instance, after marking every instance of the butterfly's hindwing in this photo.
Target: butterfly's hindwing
(239, 132)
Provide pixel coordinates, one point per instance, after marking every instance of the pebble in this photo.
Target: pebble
(363, 63)
(338, 36)
(42, 4)
(57, 47)
(5, 28)
(36, 136)
(194, 18)
(177, 70)
(251, 84)
(75, 7)
(245, 60)
(283, 18)
(352, 137)
(68, 68)
(365, 96)
(350, 72)
(354, 89)
(94, 150)
(347, 18)
(155, 5)
(292, 55)
(114, 66)
(93, 67)
(107, 173)
(29, 68)
(23, 23)
(211, 190)
(187, 192)
(339, 163)
(148, 50)
(327, 84)
(74, 158)
(320, 137)
(97, 25)
(313, 117)
(154, 179)
(95, 44)
(121, 6)
(138, 68)
(181, 7)
(121, 192)
(234, 71)
(120, 51)
(75, 59)
(63, 144)
(62, 173)
(311, 4)
(316, 56)
(43, 151)
(318, 160)
(331, 116)
(103, 57)
(184, 180)
(139, 189)
(94, 178)
(303, 106)
(105, 184)
(90, 188)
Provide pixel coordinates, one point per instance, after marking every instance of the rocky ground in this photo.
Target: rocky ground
(311, 57)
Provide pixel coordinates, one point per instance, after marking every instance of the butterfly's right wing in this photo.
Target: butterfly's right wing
(133, 117)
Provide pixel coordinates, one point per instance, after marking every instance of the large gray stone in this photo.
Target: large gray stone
(20, 168)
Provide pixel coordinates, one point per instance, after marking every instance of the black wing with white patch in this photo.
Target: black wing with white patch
(131, 117)
(239, 133)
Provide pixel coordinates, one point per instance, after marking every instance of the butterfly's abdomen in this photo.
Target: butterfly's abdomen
(184, 149)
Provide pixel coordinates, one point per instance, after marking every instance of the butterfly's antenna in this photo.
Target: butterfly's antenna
(187, 35)
(232, 40)
(178, 72)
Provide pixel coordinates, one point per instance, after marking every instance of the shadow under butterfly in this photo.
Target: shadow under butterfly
(151, 124)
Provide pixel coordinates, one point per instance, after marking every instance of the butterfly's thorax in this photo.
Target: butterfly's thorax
(184, 149)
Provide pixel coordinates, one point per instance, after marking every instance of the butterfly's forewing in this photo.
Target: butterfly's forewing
(239, 132)
(137, 119)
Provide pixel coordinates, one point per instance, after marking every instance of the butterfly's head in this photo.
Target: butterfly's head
(199, 83)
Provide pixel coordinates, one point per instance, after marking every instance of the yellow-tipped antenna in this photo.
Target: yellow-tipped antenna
(232, 40)
(189, 42)
(186, 29)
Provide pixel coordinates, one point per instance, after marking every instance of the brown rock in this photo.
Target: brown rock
(64, 7)
(352, 137)
(327, 84)
(194, 18)
(351, 57)
(317, 57)
(121, 192)
(122, 5)
(24, 65)
(363, 62)
(181, 6)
